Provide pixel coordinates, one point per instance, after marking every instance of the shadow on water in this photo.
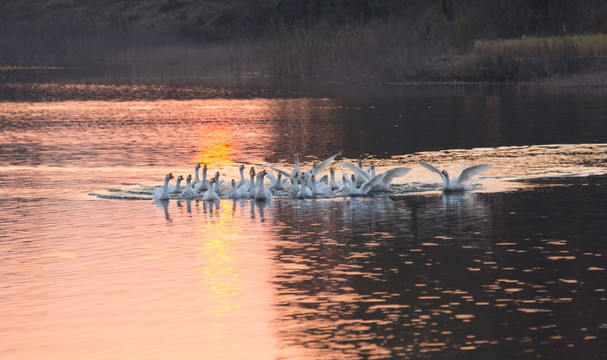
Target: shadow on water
(481, 275)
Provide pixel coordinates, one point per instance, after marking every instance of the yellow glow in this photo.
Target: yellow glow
(221, 275)
(216, 148)
(232, 285)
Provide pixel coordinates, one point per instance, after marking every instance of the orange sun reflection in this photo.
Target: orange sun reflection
(216, 148)
(235, 286)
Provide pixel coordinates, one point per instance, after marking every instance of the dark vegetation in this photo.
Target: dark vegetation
(338, 40)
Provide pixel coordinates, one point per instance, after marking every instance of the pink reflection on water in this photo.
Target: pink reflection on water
(138, 287)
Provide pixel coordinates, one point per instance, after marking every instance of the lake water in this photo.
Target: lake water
(93, 269)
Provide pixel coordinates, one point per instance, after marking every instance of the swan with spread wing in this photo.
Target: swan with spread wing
(458, 183)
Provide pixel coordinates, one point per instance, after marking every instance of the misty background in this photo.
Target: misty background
(335, 40)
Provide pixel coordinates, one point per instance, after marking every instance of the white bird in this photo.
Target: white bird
(176, 189)
(360, 174)
(295, 181)
(371, 170)
(211, 194)
(346, 183)
(218, 183)
(196, 177)
(354, 190)
(319, 187)
(242, 179)
(202, 185)
(303, 191)
(239, 192)
(296, 174)
(252, 183)
(317, 168)
(188, 192)
(334, 185)
(459, 183)
(296, 168)
(262, 193)
(380, 182)
(278, 183)
(162, 193)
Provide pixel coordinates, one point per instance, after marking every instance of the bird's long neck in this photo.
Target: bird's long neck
(296, 167)
(166, 182)
(178, 184)
(197, 179)
(313, 184)
(204, 173)
(446, 178)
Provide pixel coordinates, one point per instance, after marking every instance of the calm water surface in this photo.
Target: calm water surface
(92, 268)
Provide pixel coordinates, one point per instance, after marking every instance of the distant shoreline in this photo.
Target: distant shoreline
(74, 75)
(186, 41)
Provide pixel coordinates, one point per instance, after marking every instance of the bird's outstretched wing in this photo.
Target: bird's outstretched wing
(430, 167)
(356, 170)
(284, 172)
(271, 176)
(471, 171)
(384, 179)
(320, 167)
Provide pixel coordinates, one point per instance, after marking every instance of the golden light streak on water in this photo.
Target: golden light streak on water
(216, 148)
(236, 289)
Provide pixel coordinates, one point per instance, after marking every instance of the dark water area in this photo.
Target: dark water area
(377, 120)
(513, 267)
(501, 276)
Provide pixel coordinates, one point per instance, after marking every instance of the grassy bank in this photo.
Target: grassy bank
(357, 51)
(532, 58)
(429, 47)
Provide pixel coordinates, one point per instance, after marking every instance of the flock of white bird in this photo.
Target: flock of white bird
(303, 184)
